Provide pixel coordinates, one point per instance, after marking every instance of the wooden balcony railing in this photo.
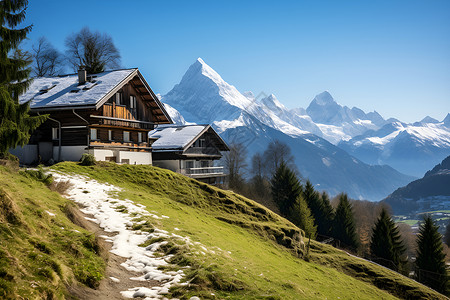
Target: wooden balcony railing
(102, 120)
(119, 111)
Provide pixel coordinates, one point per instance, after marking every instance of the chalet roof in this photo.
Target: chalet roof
(63, 92)
(181, 137)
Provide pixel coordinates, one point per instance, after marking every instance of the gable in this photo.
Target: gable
(64, 93)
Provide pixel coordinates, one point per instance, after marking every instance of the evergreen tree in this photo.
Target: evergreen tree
(430, 262)
(285, 188)
(301, 216)
(344, 224)
(15, 123)
(14, 67)
(314, 202)
(386, 242)
(326, 227)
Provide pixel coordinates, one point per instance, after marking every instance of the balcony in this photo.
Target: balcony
(209, 151)
(119, 111)
(203, 172)
(111, 121)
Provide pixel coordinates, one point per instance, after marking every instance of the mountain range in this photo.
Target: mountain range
(324, 138)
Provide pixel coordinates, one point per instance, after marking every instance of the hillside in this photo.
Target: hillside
(230, 247)
(431, 192)
(41, 250)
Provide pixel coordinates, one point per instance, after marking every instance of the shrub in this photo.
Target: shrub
(87, 160)
(40, 175)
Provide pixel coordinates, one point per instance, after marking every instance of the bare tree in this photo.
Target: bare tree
(93, 50)
(235, 164)
(47, 60)
(276, 153)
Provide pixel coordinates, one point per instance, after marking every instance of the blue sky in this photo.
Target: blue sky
(389, 56)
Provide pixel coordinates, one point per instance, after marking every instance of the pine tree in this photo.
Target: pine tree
(285, 188)
(386, 242)
(14, 68)
(314, 202)
(328, 213)
(430, 262)
(301, 216)
(15, 123)
(344, 224)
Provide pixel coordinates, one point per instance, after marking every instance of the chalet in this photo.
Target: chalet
(108, 115)
(190, 150)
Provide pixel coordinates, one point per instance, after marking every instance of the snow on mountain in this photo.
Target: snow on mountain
(202, 96)
(175, 115)
(410, 148)
(339, 122)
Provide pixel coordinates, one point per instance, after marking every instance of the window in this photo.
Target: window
(119, 99)
(139, 137)
(202, 143)
(55, 133)
(93, 134)
(110, 135)
(189, 164)
(132, 102)
(126, 136)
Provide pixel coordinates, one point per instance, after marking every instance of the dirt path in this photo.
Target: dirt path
(109, 289)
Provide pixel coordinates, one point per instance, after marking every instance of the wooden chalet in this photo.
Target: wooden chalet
(108, 115)
(192, 150)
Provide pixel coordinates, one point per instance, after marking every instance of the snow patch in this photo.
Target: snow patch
(118, 216)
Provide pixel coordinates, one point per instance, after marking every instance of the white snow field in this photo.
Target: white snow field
(118, 216)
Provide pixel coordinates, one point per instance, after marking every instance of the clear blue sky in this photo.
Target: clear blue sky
(390, 56)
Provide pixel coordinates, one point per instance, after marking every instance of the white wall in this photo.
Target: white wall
(135, 158)
(101, 154)
(27, 155)
(70, 153)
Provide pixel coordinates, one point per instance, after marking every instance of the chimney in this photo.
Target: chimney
(82, 76)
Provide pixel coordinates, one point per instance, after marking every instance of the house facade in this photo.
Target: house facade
(191, 150)
(108, 115)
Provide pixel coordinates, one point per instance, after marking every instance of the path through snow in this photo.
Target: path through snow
(118, 216)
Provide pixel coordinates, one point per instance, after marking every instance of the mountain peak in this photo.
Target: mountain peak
(429, 119)
(273, 103)
(446, 121)
(201, 68)
(324, 98)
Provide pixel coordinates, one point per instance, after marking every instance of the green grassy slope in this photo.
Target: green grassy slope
(41, 253)
(241, 250)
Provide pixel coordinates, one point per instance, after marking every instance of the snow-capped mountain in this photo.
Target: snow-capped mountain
(409, 148)
(203, 96)
(339, 122)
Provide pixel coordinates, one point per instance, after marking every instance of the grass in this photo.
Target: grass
(41, 254)
(241, 250)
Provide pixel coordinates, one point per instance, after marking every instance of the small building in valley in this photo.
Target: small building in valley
(191, 150)
(108, 115)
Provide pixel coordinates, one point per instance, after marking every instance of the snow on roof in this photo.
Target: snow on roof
(175, 137)
(65, 91)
